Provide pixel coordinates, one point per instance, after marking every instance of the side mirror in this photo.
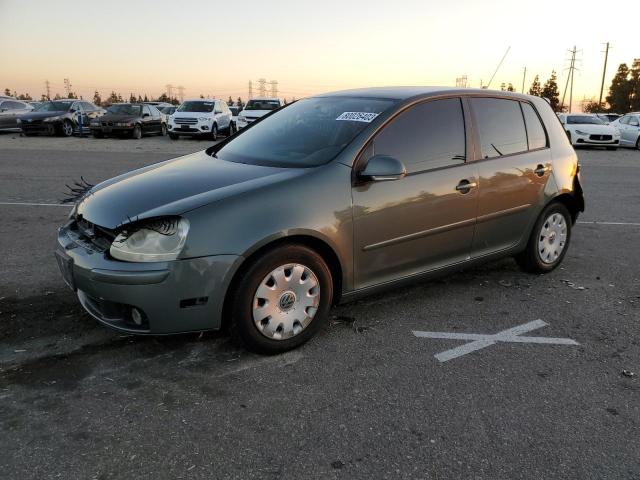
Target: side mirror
(72, 110)
(382, 167)
(145, 115)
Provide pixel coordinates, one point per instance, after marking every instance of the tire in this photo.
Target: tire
(28, 134)
(137, 132)
(638, 143)
(98, 134)
(295, 321)
(67, 128)
(551, 231)
(232, 129)
(163, 130)
(173, 136)
(214, 132)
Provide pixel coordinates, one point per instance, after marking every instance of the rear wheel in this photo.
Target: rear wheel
(67, 128)
(137, 132)
(282, 301)
(98, 134)
(549, 240)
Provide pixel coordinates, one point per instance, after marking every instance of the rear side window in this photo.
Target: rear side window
(500, 125)
(428, 135)
(535, 132)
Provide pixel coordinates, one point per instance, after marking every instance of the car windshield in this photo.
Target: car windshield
(54, 107)
(262, 105)
(584, 120)
(167, 110)
(196, 106)
(307, 133)
(125, 109)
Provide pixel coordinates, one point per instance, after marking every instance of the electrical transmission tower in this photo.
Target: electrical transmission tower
(169, 91)
(274, 88)
(181, 93)
(461, 82)
(67, 86)
(250, 89)
(262, 87)
(47, 85)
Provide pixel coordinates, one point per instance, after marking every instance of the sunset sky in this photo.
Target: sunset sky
(215, 48)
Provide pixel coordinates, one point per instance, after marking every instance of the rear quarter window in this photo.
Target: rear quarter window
(536, 135)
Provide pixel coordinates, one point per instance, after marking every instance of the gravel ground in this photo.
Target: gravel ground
(365, 399)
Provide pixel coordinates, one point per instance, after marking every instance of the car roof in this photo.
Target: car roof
(264, 98)
(405, 93)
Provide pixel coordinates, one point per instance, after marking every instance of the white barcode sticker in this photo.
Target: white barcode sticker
(365, 117)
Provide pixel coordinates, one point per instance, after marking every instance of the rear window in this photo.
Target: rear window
(306, 133)
(535, 132)
(262, 105)
(500, 125)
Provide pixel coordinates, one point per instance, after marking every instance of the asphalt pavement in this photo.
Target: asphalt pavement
(366, 398)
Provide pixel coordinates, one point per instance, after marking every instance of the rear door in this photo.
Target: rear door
(420, 222)
(514, 168)
(147, 119)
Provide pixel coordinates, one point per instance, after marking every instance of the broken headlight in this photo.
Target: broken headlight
(156, 240)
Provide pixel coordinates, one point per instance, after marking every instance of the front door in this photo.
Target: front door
(514, 168)
(425, 220)
(629, 130)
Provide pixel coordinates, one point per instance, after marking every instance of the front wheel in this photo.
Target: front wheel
(98, 134)
(282, 301)
(214, 132)
(638, 144)
(612, 148)
(173, 136)
(67, 128)
(549, 240)
(163, 130)
(137, 132)
(232, 129)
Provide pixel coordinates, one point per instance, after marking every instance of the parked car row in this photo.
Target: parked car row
(595, 130)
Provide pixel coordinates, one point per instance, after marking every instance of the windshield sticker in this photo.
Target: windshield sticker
(365, 117)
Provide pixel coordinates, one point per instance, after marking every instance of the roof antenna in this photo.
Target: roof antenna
(497, 68)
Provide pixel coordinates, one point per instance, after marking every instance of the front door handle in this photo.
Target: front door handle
(541, 170)
(465, 186)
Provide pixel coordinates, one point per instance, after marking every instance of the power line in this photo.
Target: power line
(524, 76)
(498, 67)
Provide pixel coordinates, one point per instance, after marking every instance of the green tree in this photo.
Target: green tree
(230, 101)
(510, 88)
(25, 96)
(7, 92)
(592, 107)
(535, 87)
(635, 85)
(57, 96)
(163, 98)
(240, 103)
(132, 98)
(43, 98)
(619, 98)
(96, 98)
(550, 91)
(146, 99)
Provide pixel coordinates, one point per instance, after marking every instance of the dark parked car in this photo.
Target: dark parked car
(10, 110)
(59, 117)
(324, 200)
(129, 119)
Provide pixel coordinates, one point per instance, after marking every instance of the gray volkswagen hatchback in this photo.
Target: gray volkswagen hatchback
(324, 200)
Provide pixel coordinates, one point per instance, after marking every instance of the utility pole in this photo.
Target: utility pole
(250, 89)
(498, 67)
(572, 69)
(47, 85)
(67, 86)
(181, 93)
(604, 72)
(274, 88)
(169, 91)
(524, 76)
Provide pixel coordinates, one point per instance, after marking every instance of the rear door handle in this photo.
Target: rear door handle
(541, 170)
(465, 186)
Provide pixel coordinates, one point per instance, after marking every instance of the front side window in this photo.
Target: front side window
(146, 110)
(196, 106)
(535, 132)
(500, 125)
(633, 121)
(426, 136)
(306, 133)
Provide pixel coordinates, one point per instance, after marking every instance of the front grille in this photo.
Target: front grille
(600, 137)
(92, 236)
(185, 121)
(107, 124)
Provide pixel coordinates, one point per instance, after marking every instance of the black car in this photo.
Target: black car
(59, 117)
(129, 119)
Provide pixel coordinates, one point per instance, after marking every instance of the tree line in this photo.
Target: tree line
(624, 92)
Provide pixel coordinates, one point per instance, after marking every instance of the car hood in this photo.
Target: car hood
(595, 129)
(173, 188)
(254, 113)
(113, 117)
(177, 114)
(41, 115)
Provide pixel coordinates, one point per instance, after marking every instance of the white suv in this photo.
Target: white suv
(256, 108)
(200, 117)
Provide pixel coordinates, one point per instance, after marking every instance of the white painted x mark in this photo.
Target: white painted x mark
(479, 341)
